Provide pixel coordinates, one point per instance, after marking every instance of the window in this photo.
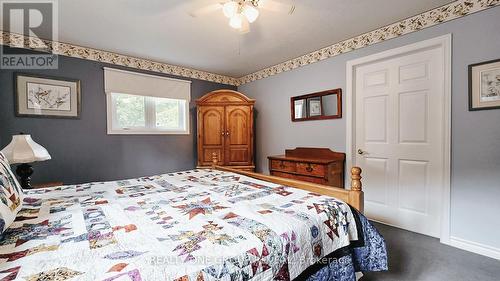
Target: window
(142, 114)
(146, 104)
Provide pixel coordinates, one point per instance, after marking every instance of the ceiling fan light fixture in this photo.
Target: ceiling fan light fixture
(250, 12)
(230, 9)
(236, 21)
(260, 3)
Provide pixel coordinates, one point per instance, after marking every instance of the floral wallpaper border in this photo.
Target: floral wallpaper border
(454, 10)
(16, 40)
(430, 18)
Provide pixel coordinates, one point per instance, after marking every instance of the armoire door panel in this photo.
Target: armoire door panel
(238, 154)
(213, 125)
(208, 154)
(238, 125)
(238, 135)
(211, 133)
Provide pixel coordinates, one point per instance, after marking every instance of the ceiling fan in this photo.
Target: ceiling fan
(243, 12)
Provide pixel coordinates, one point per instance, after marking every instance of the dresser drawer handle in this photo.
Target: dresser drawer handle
(309, 168)
(282, 165)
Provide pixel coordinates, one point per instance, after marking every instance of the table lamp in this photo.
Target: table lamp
(23, 150)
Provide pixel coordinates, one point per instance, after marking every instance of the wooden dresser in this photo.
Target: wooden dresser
(225, 129)
(318, 165)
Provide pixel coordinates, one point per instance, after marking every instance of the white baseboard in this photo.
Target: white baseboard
(475, 247)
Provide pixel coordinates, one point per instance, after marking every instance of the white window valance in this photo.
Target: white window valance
(134, 83)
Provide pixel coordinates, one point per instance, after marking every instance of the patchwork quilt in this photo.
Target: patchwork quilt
(10, 194)
(192, 225)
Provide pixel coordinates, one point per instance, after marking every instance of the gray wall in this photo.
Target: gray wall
(81, 150)
(475, 180)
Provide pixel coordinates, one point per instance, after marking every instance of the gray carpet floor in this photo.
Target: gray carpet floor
(414, 256)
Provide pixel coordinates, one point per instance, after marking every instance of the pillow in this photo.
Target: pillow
(11, 194)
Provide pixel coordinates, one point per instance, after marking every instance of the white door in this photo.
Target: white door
(399, 138)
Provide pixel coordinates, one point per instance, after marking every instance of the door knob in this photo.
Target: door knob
(360, 151)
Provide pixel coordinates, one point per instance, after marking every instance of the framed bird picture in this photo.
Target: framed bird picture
(45, 96)
(484, 85)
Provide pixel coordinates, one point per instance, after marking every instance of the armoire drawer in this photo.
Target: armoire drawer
(286, 166)
(308, 169)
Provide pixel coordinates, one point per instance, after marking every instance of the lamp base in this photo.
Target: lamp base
(24, 171)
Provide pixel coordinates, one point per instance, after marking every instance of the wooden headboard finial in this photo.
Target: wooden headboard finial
(356, 179)
(215, 159)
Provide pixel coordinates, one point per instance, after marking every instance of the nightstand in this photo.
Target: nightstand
(47, 184)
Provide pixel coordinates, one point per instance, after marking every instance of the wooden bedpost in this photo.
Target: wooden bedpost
(356, 196)
(215, 159)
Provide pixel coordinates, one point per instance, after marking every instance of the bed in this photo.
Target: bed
(205, 224)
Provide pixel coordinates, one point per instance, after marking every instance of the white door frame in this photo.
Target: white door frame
(444, 43)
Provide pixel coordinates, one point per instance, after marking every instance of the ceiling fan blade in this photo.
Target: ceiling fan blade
(205, 10)
(245, 27)
(276, 6)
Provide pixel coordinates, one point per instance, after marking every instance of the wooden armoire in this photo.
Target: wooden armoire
(225, 127)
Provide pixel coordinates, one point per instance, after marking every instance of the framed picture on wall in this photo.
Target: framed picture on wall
(484, 85)
(45, 96)
(314, 106)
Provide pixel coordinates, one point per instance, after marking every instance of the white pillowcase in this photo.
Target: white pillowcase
(11, 194)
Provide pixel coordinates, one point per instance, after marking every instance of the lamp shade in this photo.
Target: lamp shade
(22, 149)
(230, 9)
(236, 21)
(250, 13)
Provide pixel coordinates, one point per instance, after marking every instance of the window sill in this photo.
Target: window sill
(131, 132)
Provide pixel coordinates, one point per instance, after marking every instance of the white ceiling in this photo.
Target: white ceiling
(162, 30)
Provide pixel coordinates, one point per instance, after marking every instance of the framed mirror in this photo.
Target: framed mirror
(317, 106)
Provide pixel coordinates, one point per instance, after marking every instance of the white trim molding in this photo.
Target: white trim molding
(448, 12)
(475, 247)
(444, 43)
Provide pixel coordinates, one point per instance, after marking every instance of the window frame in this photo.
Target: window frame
(149, 115)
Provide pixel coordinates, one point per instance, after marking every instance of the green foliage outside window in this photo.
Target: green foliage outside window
(167, 113)
(130, 110)
(148, 112)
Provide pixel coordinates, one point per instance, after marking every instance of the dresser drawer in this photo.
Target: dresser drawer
(286, 166)
(299, 177)
(309, 169)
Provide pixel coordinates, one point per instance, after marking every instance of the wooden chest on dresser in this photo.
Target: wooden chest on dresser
(317, 165)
